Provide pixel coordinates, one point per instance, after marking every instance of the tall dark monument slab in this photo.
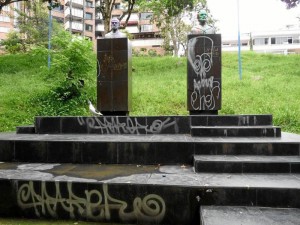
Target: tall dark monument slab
(114, 80)
(204, 74)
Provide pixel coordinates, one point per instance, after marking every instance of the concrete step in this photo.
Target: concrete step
(236, 131)
(138, 194)
(246, 164)
(114, 125)
(232, 120)
(237, 215)
(136, 149)
(148, 125)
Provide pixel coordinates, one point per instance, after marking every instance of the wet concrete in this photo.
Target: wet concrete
(176, 175)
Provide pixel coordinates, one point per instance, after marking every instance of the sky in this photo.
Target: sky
(255, 15)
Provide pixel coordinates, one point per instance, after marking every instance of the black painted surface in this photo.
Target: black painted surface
(30, 129)
(232, 120)
(114, 80)
(204, 73)
(159, 125)
(246, 164)
(239, 131)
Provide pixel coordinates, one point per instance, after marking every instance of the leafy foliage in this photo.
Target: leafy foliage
(270, 85)
(13, 43)
(168, 15)
(32, 28)
(71, 64)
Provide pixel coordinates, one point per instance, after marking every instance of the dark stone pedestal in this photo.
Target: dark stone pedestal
(204, 74)
(114, 81)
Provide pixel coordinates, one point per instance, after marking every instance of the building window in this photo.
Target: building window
(290, 40)
(88, 16)
(260, 41)
(4, 29)
(59, 8)
(6, 8)
(273, 41)
(99, 16)
(4, 18)
(266, 41)
(146, 28)
(146, 16)
(89, 4)
(89, 27)
(117, 6)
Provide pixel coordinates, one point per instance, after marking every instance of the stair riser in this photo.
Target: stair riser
(131, 153)
(140, 125)
(279, 149)
(239, 167)
(265, 197)
(236, 132)
(238, 120)
(98, 202)
(40, 199)
(113, 125)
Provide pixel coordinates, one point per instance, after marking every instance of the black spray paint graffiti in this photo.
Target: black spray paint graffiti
(112, 125)
(204, 87)
(94, 205)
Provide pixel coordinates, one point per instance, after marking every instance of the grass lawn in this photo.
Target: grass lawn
(270, 85)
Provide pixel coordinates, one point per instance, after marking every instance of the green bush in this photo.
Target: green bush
(13, 44)
(71, 64)
(152, 52)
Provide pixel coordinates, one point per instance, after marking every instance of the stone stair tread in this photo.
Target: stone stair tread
(172, 175)
(235, 127)
(237, 215)
(11, 136)
(247, 158)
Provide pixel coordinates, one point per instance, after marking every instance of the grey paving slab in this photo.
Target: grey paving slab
(235, 215)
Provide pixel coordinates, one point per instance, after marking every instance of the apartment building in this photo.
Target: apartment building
(77, 16)
(7, 19)
(80, 17)
(281, 41)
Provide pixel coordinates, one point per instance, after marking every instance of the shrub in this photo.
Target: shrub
(152, 52)
(13, 43)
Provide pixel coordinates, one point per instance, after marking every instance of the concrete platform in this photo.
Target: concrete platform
(237, 215)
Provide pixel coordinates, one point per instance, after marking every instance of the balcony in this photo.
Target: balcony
(76, 26)
(78, 13)
(74, 3)
(132, 29)
(100, 27)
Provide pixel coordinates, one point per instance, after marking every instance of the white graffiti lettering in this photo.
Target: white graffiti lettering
(112, 125)
(95, 205)
(205, 88)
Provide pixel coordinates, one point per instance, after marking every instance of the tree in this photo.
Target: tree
(291, 3)
(33, 23)
(8, 2)
(106, 6)
(168, 14)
